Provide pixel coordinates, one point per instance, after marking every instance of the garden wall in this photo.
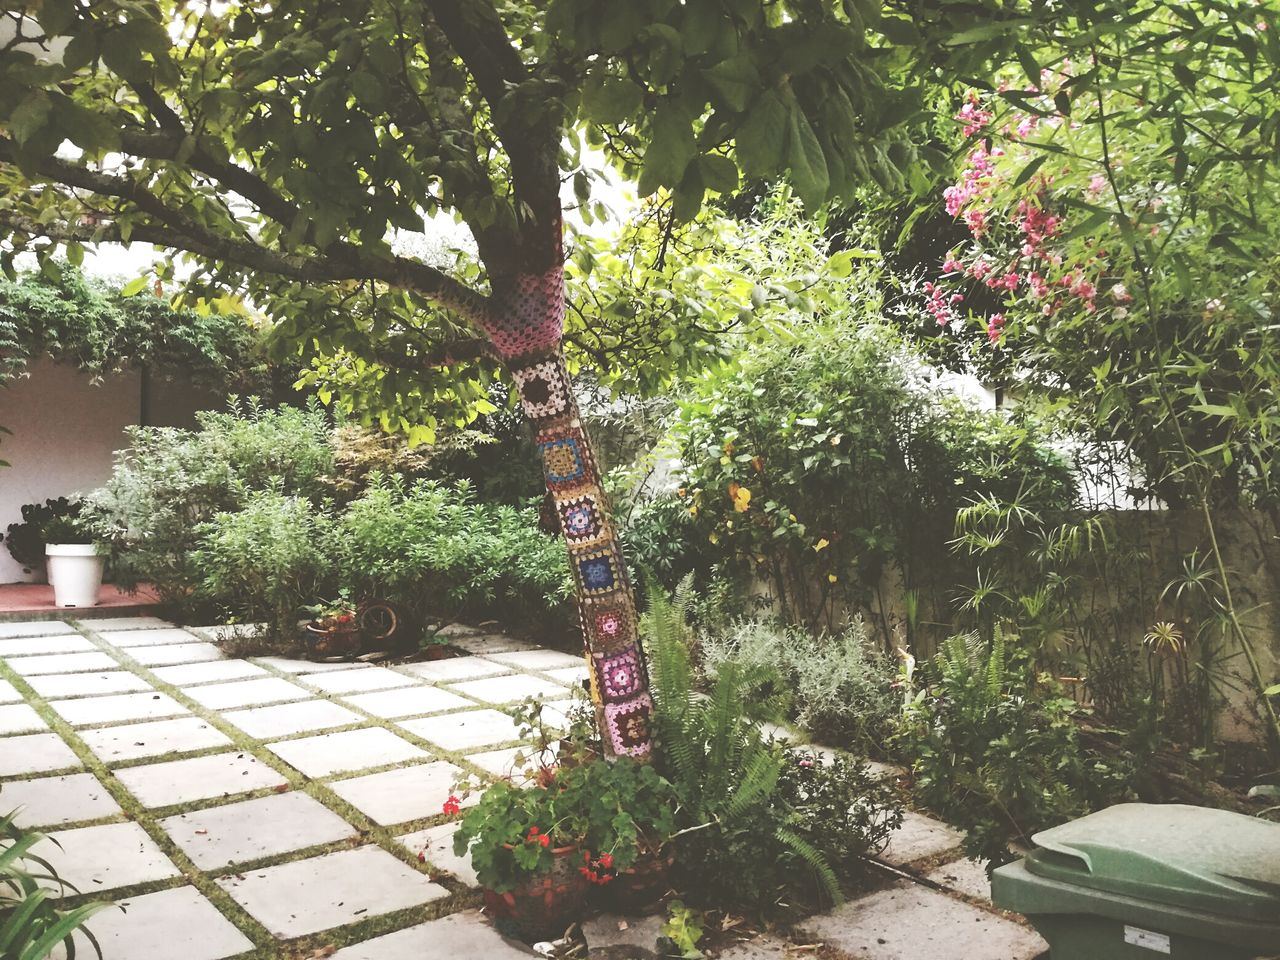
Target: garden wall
(66, 429)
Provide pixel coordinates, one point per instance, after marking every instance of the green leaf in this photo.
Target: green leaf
(55, 16)
(608, 99)
(761, 140)
(736, 80)
(1272, 691)
(134, 287)
(806, 161)
(670, 149)
(719, 173)
(1215, 410)
(29, 116)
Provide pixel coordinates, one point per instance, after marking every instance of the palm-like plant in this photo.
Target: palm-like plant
(31, 924)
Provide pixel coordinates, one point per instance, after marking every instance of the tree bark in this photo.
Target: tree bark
(526, 326)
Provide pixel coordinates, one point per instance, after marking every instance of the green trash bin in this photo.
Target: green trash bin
(1143, 881)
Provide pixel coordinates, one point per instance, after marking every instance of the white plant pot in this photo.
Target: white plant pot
(75, 571)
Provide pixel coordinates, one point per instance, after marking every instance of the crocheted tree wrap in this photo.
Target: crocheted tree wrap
(526, 329)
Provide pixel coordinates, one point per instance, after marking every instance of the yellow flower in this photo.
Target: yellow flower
(832, 578)
(741, 499)
(713, 537)
(821, 545)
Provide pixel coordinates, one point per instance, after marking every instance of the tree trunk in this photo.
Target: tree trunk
(526, 327)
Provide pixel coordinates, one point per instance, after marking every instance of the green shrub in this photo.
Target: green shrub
(437, 550)
(27, 539)
(838, 687)
(813, 463)
(995, 748)
(758, 823)
(267, 560)
(168, 482)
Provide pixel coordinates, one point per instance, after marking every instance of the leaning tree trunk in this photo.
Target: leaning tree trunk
(526, 325)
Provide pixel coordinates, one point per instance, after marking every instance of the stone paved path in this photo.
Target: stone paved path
(232, 805)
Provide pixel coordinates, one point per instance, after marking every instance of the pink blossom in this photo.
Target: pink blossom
(952, 265)
(1097, 183)
(994, 325)
(1121, 293)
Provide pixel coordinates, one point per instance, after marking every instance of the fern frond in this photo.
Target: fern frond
(816, 861)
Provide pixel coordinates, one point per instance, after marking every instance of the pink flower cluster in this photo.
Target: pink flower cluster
(973, 116)
(1033, 265)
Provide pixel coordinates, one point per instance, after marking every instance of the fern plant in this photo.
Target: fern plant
(737, 845)
(31, 925)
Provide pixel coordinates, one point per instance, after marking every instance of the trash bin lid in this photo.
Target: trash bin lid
(1211, 861)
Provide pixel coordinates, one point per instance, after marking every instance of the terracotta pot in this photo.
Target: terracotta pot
(542, 907)
(343, 641)
(639, 886)
(437, 651)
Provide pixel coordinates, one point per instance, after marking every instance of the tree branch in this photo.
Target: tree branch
(441, 355)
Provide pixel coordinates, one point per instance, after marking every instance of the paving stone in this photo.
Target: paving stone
(462, 935)
(230, 631)
(63, 663)
(9, 693)
(436, 844)
(319, 893)
(169, 924)
(455, 668)
(99, 624)
(358, 680)
(910, 922)
(763, 947)
(211, 671)
(509, 689)
(105, 857)
(286, 719)
(918, 838)
(465, 731)
(610, 930)
(246, 693)
(137, 740)
(20, 718)
(455, 630)
(199, 778)
(332, 753)
(485, 644)
(147, 638)
(253, 829)
(503, 763)
(538, 659)
(571, 676)
(407, 702)
(967, 877)
(35, 753)
(169, 654)
(51, 801)
(61, 685)
(288, 665)
(27, 646)
(118, 708)
(398, 796)
(35, 628)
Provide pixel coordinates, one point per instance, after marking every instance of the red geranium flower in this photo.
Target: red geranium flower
(452, 805)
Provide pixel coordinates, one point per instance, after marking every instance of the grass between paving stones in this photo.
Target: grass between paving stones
(266, 944)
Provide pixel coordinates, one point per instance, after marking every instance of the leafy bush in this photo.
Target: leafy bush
(435, 548)
(26, 540)
(838, 687)
(756, 832)
(168, 482)
(31, 924)
(267, 560)
(995, 749)
(814, 463)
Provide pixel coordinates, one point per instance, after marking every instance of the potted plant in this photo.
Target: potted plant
(524, 844)
(74, 562)
(334, 630)
(26, 539)
(630, 817)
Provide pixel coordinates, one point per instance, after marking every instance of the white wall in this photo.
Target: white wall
(66, 430)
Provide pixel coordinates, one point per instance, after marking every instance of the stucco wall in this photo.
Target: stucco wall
(66, 429)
